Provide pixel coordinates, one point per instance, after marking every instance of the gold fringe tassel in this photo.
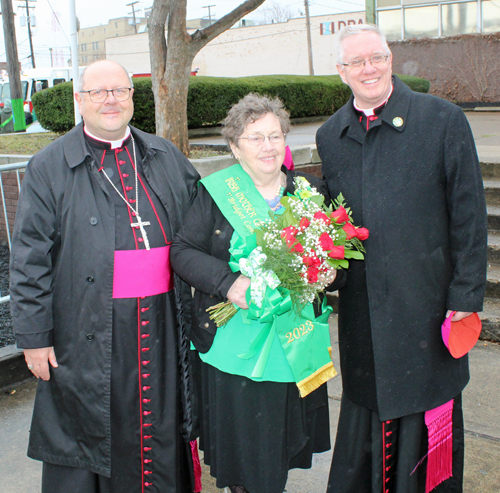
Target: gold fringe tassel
(318, 378)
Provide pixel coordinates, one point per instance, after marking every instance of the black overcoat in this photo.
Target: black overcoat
(414, 181)
(62, 286)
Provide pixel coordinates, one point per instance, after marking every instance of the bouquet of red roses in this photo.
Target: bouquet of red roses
(299, 249)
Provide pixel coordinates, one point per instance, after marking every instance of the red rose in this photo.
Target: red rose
(337, 252)
(362, 233)
(289, 234)
(297, 248)
(311, 261)
(340, 215)
(304, 223)
(350, 231)
(312, 275)
(325, 241)
(323, 217)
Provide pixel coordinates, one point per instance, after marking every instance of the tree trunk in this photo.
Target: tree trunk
(170, 68)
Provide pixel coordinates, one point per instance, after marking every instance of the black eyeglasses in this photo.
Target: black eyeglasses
(100, 95)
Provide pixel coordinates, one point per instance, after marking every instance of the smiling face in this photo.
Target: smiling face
(107, 120)
(262, 162)
(370, 84)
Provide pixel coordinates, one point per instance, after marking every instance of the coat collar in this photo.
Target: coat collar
(77, 152)
(394, 114)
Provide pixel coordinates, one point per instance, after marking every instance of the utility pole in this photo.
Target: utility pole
(51, 59)
(133, 13)
(309, 42)
(73, 36)
(209, 12)
(16, 93)
(28, 8)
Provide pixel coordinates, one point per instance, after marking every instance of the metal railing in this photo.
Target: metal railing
(17, 167)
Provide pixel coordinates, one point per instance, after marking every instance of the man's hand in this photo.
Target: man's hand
(38, 361)
(237, 291)
(458, 315)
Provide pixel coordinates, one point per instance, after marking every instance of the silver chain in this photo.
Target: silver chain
(136, 210)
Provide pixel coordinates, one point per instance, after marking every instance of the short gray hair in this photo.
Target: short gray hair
(81, 80)
(250, 109)
(353, 30)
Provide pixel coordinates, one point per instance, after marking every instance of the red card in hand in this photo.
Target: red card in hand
(460, 337)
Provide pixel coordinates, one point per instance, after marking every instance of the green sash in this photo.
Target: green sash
(304, 339)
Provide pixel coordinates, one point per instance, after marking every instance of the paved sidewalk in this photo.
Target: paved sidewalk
(485, 127)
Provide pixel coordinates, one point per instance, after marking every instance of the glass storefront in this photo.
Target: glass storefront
(390, 23)
(422, 22)
(432, 18)
(491, 16)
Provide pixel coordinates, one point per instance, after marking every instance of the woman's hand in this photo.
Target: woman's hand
(237, 292)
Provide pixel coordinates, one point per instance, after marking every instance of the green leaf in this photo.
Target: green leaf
(318, 200)
(337, 263)
(353, 254)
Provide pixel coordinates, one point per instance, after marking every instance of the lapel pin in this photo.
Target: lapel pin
(397, 122)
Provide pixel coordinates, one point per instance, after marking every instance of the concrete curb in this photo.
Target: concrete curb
(13, 368)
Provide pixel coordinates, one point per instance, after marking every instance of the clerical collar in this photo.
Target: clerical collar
(377, 109)
(115, 144)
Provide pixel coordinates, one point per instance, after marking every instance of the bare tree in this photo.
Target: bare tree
(170, 67)
(274, 12)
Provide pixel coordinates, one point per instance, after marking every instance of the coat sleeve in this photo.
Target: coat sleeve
(192, 252)
(31, 270)
(468, 217)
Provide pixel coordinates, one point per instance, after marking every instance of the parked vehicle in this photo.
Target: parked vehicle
(35, 80)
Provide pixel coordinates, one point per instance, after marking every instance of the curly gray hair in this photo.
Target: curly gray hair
(248, 110)
(348, 31)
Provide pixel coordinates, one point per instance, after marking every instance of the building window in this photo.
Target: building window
(389, 22)
(84, 46)
(95, 46)
(116, 25)
(459, 18)
(104, 29)
(491, 16)
(422, 22)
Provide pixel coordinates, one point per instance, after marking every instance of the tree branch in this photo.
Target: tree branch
(202, 37)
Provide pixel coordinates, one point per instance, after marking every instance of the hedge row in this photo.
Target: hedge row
(209, 98)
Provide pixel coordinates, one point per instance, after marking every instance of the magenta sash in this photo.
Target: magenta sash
(142, 272)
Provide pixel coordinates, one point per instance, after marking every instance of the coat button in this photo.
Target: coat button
(207, 325)
(93, 221)
(90, 337)
(90, 280)
(217, 232)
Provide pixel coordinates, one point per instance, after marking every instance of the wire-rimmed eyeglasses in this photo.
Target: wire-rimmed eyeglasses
(257, 140)
(100, 95)
(374, 60)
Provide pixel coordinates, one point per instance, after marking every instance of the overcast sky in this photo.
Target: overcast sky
(50, 34)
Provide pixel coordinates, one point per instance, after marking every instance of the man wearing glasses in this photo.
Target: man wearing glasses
(95, 304)
(407, 166)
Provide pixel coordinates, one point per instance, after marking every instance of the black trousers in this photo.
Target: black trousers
(371, 456)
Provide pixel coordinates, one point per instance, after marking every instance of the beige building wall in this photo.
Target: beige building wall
(92, 40)
(254, 50)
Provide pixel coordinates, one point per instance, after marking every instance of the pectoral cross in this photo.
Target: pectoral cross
(141, 225)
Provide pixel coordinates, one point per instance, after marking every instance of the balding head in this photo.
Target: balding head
(100, 65)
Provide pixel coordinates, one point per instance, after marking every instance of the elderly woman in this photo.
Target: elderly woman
(252, 430)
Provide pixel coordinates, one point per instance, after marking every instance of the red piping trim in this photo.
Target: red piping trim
(150, 201)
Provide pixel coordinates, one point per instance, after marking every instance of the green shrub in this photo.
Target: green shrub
(54, 107)
(209, 98)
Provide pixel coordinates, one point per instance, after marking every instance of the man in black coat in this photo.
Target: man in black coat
(95, 304)
(407, 165)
